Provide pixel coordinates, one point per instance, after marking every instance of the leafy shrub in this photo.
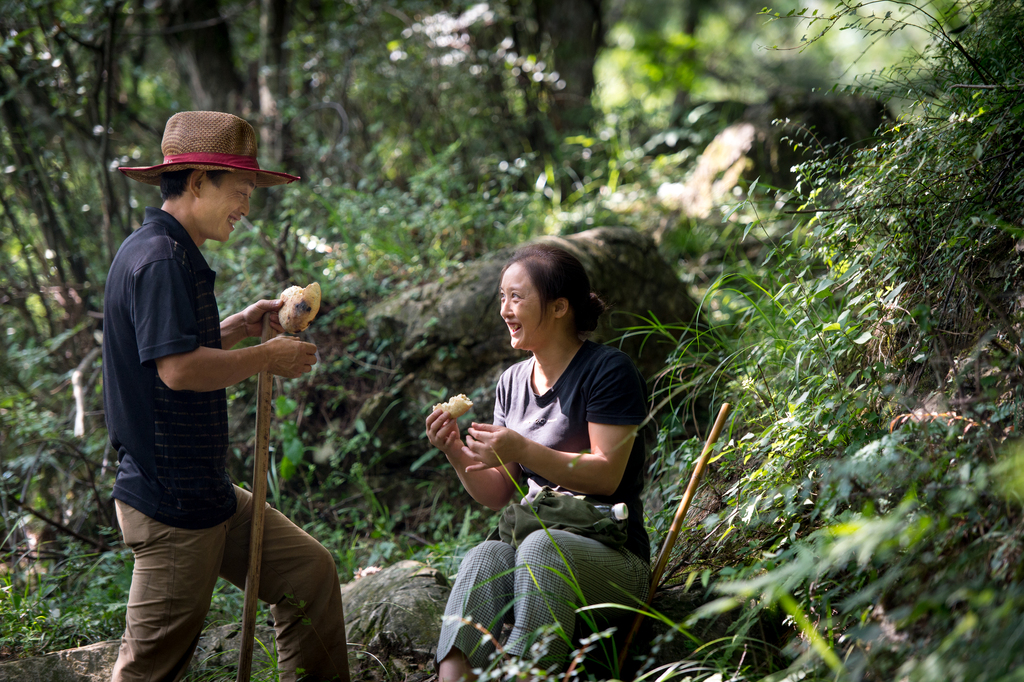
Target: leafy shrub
(874, 357)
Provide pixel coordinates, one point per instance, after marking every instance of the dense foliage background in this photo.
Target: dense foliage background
(865, 319)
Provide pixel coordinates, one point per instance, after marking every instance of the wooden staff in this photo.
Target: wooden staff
(677, 524)
(261, 461)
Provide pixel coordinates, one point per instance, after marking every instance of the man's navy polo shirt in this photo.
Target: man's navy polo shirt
(171, 445)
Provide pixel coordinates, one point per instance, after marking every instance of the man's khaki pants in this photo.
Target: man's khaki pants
(176, 570)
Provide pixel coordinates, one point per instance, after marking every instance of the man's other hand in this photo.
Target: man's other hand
(289, 357)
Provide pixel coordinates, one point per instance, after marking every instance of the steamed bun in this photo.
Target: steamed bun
(300, 307)
(456, 406)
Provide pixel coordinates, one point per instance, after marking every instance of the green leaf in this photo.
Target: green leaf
(284, 406)
(733, 210)
(286, 469)
(423, 459)
(294, 449)
(862, 339)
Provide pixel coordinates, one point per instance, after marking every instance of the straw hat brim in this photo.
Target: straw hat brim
(151, 174)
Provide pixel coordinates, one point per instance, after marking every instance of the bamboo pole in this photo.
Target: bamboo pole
(261, 461)
(677, 524)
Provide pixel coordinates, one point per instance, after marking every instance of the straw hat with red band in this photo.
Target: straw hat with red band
(208, 140)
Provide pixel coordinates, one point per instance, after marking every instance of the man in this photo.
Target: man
(167, 360)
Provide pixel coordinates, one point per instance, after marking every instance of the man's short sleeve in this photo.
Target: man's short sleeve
(617, 393)
(165, 322)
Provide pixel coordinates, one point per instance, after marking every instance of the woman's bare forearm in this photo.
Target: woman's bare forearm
(493, 488)
(595, 473)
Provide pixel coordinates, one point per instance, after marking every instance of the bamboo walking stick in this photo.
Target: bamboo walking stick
(261, 461)
(677, 524)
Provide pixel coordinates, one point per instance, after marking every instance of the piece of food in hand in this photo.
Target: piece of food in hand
(300, 307)
(456, 406)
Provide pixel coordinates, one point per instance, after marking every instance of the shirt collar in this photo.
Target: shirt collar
(178, 233)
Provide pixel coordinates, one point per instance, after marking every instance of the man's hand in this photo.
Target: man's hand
(249, 322)
(252, 317)
(209, 369)
(287, 356)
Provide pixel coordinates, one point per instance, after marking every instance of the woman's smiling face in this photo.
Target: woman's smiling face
(522, 310)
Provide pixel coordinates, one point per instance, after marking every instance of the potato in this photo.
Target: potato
(456, 406)
(300, 307)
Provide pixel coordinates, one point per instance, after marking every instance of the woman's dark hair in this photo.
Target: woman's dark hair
(173, 183)
(558, 274)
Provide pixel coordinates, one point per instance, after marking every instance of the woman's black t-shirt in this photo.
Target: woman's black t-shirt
(600, 385)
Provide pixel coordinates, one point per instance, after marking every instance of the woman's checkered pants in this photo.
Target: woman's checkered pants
(545, 580)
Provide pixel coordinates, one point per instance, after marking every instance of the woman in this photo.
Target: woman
(566, 418)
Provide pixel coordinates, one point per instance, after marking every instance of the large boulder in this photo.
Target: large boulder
(393, 620)
(449, 338)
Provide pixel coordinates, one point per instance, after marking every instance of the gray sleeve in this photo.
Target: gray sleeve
(501, 393)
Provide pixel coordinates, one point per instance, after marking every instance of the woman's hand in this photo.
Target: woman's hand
(491, 446)
(443, 432)
(490, 486)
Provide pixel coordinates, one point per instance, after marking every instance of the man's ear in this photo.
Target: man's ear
(194, 185)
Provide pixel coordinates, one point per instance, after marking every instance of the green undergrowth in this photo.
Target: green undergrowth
(865, 497)
(866, 486)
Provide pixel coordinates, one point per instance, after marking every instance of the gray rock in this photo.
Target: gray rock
(217, 650)
(91, 663)
(394, 619)
(449, 337)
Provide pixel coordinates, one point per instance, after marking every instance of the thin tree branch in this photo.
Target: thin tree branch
(1011, 86)
(79, 390)
(98, 544)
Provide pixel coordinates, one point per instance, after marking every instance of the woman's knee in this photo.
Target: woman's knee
(489, 558)
(541, 543)
(541, 551)
(490, 549)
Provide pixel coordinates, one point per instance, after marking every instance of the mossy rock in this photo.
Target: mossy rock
(393, 619)
(216, 655)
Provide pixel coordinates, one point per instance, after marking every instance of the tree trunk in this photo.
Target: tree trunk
(576, 32)
(198, 37)
(275, 139)
(272, 77)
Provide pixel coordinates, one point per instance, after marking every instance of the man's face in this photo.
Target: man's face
(222, 203)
